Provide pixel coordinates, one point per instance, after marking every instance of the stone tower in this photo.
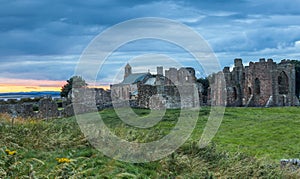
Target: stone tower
(160, 70)
(238, 77)
(127, 70)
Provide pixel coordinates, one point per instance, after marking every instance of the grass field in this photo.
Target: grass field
(250, 142)
(262, 132)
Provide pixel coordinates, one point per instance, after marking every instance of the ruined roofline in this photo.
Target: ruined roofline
(238, 62)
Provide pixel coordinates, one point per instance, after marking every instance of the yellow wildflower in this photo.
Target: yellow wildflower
(63, 160)
(10, 152)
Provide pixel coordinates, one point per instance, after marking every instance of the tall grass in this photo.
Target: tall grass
(234, 153)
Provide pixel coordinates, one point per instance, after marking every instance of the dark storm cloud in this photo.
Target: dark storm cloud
(32, 67)
(57, 27)
(61, 28)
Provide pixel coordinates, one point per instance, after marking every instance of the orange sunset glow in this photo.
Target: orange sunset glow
(22, 85)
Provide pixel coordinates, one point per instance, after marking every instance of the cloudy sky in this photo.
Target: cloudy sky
(41, 41)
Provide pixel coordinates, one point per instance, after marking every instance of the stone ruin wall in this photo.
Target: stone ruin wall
(169, 96)
(47, 109)
(261, 78)
(290, 98)
(87, 100)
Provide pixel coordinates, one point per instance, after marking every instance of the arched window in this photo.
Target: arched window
(283, 83)
(250, 91)
(257, 86)
(123, 92)
(234, 93)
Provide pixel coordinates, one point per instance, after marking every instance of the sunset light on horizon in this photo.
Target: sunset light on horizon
(28, 85)
(23, 85)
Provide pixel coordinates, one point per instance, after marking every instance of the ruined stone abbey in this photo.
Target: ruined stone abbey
(261, 84)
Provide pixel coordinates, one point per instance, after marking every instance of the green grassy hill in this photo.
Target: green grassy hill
(249, 143)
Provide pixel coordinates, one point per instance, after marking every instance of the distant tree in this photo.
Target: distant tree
(73, 82)
(205, 83)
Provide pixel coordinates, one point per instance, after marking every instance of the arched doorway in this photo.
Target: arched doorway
(283, 83)
(249, 91)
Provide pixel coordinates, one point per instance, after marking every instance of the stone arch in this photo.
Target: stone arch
(248, 92)
(257, 86)
(234, 93)
(283, 83)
